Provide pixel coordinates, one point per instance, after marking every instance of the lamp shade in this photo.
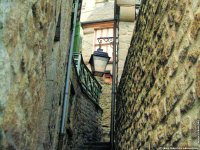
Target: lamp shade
(98, 62)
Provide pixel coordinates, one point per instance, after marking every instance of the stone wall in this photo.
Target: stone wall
(105, 103)
(158, 101)
(83, 123)
(32, 72)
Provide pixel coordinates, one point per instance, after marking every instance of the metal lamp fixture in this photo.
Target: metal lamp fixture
(98, 62)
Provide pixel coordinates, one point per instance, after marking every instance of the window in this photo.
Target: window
(106, 46)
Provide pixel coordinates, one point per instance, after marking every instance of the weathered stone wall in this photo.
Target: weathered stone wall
(158, 98)
(84, 115)
(105, 103)
(87, 119)
(32, 72)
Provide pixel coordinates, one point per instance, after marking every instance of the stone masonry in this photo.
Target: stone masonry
(83, 123)
(34, 45)
(32, 71)
(158, 101)
(105, 103)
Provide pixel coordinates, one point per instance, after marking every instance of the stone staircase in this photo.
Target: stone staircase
(95, 146)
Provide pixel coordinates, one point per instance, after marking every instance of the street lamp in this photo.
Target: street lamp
(98, 62)
(100, 59)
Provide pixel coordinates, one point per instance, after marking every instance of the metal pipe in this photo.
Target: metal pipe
(114, 78)
(69, 69)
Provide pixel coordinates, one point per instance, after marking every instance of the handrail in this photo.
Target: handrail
(87, 79)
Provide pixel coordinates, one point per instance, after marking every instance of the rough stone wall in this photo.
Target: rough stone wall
(105, 103)
(87, 121)
(32, 72)
(85, 117)
(158, 101)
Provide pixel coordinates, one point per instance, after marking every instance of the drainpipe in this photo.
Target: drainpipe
(65, 103)
(114, 78)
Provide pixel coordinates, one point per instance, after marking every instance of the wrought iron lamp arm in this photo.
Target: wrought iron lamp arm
(105, 39)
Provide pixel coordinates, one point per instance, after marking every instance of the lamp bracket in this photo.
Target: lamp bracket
(105, 39)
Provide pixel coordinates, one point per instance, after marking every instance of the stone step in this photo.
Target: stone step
(95, 146)
(98, 143)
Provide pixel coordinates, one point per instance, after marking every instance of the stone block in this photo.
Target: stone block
(193, 56)
(51, 69)
(155, 116)
(198, 80)
(161, 133)
(186, 126)
(187, 102)
(176, 138)
(195, 25)
(126, 2)
(162, 109)
(185, 143)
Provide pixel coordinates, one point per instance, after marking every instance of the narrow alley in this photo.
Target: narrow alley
(99, 74)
